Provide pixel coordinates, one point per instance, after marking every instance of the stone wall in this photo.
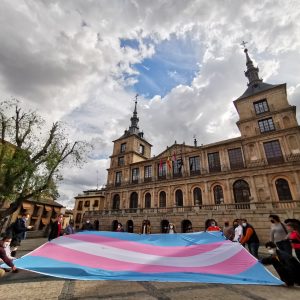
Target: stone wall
(258, 218)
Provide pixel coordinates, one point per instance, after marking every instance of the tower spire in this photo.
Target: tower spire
(133, 128)
(252, 72)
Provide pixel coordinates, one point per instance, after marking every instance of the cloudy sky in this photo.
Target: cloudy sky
(83, 61)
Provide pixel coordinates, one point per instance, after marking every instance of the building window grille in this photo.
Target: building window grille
(116, 202)
(123, 148)
(118, 178)
(266, 125)
(214, 162)
(179, 198)
(236, 158)
(194, 165)
(148, 200)
(273, 152)
(177, 167)
(261, 106)
(241, 191)
(133, 200)
(162, 199)
(121, 161)
(283, 190)
(162, 170)
(148, 172)
(197, 196)
(135, 175)
(218, 195)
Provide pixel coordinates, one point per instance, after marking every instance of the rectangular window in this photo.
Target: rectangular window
(273, 152)
(261, 106)
(142, 149)
(96, 203)
(123, 147)
(118, 178)
(266, 125)
(148, 172)
(79, 205)
(135, 175)
(177, 167)
(121, 161)
(162, 170)
(214, 162)
(194, 165)
(87, 204)
(236, 158)
(78, 218)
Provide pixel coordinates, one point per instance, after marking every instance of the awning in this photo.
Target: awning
(57, 209)
(48, 208)
(26, 205)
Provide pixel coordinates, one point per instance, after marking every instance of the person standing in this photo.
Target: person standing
(294, 237)
(69, 229)
(20, 228)
(56, 228)
(278, 234)
(146, 227)
(87, 225)
(120, 228)
(250, 238)
(171, 228)
(238, 230)
(228, 231)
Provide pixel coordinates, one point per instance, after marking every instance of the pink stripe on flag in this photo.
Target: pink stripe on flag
(170, 251)
(238, 263)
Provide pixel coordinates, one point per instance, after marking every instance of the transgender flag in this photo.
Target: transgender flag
(193, 257)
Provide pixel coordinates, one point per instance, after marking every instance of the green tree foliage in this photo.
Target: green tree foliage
(31, 156)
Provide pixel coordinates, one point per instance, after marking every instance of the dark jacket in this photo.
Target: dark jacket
(249, 238)
(87, 226)
(54, 231)
(287, 266)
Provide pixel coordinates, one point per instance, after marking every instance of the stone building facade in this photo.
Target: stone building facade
(250, 176)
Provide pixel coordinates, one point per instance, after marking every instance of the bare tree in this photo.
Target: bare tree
(31, 156)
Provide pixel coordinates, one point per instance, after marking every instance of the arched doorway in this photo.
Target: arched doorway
(148, 200)
(283, 190)
(241, 191)
(133, 200)
(114, 225)
(186, 226)
(197, 196)
(96, 225)
(164, 226)
(162, 199)
(218, 195)
(116, 202)
(179, 198)
(129, 226)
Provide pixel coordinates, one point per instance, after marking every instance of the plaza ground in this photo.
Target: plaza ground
(29, 285)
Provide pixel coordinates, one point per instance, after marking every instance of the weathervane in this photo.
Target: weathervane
(136, 96)
(244, 44)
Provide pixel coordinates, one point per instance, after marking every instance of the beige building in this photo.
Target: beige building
(250, 176)
(41, 213)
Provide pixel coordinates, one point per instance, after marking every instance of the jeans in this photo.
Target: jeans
(253, 249)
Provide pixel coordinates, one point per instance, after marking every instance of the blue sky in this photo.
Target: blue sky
(174, 62)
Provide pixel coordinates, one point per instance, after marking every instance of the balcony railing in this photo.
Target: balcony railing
(205, 207)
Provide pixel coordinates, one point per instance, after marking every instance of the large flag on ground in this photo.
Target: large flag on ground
(194, 257)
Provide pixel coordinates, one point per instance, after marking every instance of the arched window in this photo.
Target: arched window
(164, 226)
(162, 199)
(148, 200)
(283, 190)
(116, 202)
(241, 191)
(129, 226)
(218, 194)
(186, 226)
(133, 200)
(179, 198)
(114, 225)
(197, 196)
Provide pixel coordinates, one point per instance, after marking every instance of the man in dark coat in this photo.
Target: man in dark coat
(87, 225)
(56, 228)
(19, 230)
(287, 266)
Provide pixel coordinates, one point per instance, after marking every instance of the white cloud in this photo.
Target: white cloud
(64, 58)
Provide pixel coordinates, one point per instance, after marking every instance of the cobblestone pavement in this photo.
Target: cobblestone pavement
(28, 285)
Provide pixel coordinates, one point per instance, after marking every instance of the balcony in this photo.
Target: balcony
(147, 179)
